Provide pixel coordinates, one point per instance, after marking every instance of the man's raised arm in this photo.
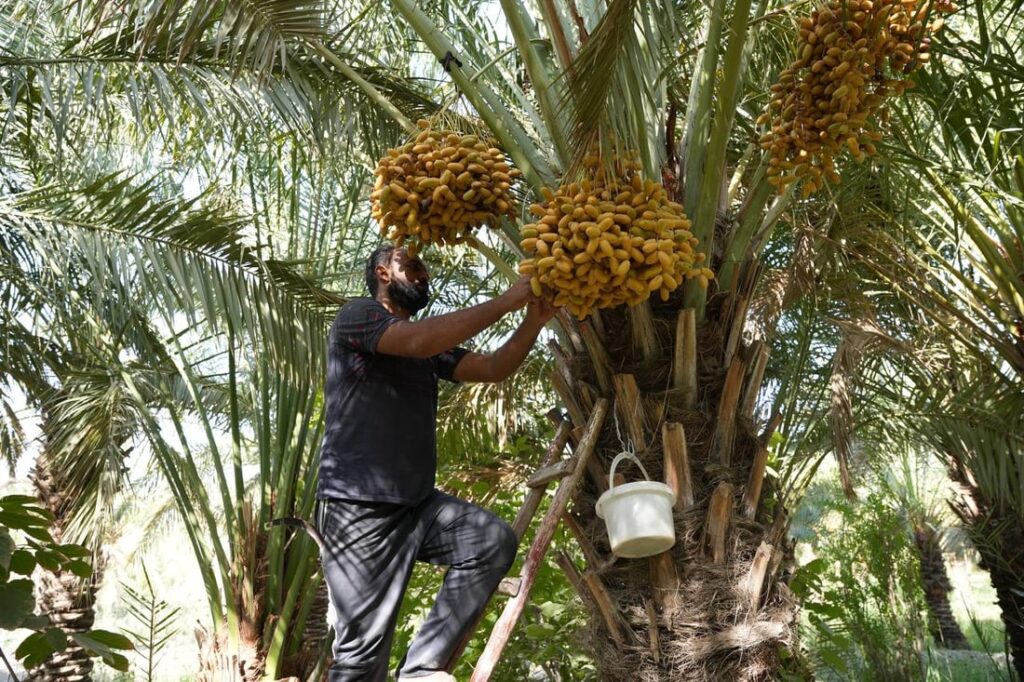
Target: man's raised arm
(502, 363)
(427, 337)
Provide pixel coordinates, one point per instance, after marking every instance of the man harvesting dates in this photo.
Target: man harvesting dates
(378, 510)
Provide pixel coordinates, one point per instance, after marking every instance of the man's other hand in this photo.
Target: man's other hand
(540, 310)
(519, 294)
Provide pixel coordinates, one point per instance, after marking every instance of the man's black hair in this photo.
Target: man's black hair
(380, 256)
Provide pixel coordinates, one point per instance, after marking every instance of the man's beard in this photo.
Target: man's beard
(410, 297)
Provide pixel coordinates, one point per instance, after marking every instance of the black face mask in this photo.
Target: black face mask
(410, 297)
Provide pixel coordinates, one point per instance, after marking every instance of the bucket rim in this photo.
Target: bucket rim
(627, 489)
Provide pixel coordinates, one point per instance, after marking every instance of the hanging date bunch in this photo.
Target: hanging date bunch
(441, 187)
(851, 56)
(609, 239)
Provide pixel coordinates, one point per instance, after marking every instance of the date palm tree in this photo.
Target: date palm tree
(915, 496)
(108, 372)
(685, 374)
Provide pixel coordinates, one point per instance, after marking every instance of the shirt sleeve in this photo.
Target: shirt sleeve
(446, 362)
(360, 324)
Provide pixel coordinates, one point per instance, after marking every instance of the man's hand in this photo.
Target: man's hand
(518, 295)
(539, 311)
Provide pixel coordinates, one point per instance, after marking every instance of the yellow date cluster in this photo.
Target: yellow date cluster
(597, 245)
(851, 55)
(440, 188)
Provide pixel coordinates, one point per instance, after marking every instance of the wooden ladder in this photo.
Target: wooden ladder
(568, 472)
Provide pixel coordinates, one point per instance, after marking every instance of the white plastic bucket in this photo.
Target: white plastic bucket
(638, 515)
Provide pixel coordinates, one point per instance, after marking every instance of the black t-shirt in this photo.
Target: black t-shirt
(381, 409)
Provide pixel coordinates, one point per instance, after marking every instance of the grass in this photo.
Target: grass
(967, 666)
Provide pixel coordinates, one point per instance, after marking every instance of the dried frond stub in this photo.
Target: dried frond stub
(441, 187)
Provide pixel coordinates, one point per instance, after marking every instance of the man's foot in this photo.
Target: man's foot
(439, 676)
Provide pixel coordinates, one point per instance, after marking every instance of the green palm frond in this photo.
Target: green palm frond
(80, 341)
(186, 256)
(479, 423)
(797, 381)
(976, 432)
(964, 263)
(917, 489)
(199, 101)
(616, 83)
(253, 34)
(28, 358)
(154, 622)
(945, 398)
(858, 338)
(12, 433)
(88, 428)
(65, 83)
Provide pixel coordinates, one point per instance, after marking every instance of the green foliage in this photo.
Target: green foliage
(985, 635)
(960, 666)
(17, 602)
(242, 96)
(548, 637)
(862, 594)
(154, 622)
(105, 645)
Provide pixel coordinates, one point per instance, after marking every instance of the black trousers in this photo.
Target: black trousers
(370, 550)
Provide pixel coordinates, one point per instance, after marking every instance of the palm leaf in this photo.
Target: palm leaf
(89, 424)
(188, 257)
(253, 34)
(616, 84)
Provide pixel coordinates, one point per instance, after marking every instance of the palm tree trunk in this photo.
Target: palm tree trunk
(70, 606)
(68, 601)
(935, 581)
(1000, 543)
(713, 607)
(1011, 602)
(999, 539)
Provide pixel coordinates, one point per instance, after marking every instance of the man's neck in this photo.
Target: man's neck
(392, 307)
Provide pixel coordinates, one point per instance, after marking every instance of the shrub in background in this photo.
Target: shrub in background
(862, 595)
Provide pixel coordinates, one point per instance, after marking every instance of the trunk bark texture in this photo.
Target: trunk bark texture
(715, 606)
(1001, 545)
(69, 601)
(999, 538)
(941, 623)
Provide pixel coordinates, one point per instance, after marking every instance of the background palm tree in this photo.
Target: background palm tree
(924, 509)
(958, 291)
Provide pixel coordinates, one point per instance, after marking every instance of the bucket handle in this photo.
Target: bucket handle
(615, 462)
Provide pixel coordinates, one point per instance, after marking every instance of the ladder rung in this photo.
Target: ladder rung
(545, 475)
(510, 586)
